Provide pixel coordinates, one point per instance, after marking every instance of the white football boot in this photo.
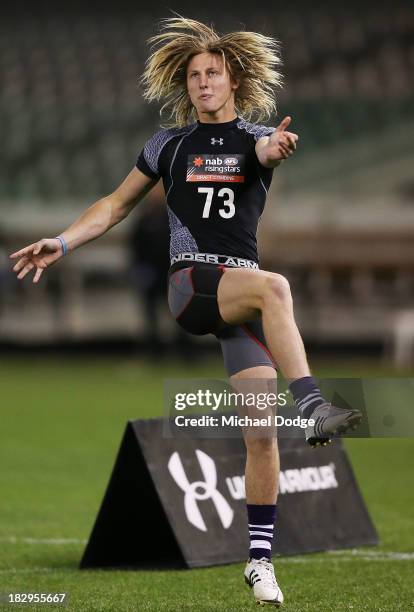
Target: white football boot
(330, 421)
(259, 574)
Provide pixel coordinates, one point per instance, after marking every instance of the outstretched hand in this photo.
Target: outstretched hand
(282, 144)
(39, 255)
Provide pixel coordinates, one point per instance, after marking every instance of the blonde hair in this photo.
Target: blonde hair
(252, 60)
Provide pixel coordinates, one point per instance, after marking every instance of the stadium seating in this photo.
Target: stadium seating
(73, 121)
(72, 108)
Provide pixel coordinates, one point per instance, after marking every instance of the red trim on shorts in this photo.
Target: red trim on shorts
(190, 273)
(188, 270)
(253, 337)
(221, 323)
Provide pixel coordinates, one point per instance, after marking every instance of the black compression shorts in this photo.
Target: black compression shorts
(192, 299)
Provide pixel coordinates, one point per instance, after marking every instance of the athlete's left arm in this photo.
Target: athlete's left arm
(281, 144)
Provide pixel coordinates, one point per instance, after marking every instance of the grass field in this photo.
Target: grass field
(60, 426)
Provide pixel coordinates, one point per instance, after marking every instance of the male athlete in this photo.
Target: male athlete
(216, 167)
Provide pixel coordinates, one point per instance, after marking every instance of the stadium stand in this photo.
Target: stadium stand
(74, 120)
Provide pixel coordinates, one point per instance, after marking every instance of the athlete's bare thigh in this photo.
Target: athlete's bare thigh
(239, 294)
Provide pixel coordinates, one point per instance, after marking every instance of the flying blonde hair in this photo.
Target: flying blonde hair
(252, 60)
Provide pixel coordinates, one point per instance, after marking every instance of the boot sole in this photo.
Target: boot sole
(352, 422)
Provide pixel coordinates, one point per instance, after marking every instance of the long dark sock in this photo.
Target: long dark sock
(306, 394)
(261, 519)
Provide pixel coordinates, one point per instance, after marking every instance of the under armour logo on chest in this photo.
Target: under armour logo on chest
(219, 141)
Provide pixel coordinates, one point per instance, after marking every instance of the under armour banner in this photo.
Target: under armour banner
(191, 490)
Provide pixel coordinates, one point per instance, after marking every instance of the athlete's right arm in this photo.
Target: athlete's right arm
(95, 221)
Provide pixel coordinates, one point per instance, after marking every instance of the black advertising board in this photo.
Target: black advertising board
(191, 492)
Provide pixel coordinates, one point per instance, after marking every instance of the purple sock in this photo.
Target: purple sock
(306, 394)
(261, 519)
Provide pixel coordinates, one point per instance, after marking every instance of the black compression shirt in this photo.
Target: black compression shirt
(215, 186)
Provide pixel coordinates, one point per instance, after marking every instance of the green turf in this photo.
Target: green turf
(60, 427)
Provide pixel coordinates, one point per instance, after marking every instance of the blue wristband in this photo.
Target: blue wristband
(63, 244)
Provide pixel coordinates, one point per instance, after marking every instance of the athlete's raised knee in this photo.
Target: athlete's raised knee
(276, 289)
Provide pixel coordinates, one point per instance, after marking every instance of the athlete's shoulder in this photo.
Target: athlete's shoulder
(157, 142)
(257, 130)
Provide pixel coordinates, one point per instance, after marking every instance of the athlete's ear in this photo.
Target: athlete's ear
(234, 83)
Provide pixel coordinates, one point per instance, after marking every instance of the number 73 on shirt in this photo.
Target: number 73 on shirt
(226, 195)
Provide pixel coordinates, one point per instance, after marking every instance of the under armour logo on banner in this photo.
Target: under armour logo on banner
(219, 141)
(200, 490)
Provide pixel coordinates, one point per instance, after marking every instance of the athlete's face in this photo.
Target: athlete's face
(211, 88)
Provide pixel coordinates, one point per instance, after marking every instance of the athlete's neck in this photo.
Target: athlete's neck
(220, 116)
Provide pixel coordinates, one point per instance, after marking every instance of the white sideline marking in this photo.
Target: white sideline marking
(350, 555)
(53, 541)
(393, 556)
(342, 555)
(35, 570)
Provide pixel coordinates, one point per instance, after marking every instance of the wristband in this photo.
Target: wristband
(63, 244)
